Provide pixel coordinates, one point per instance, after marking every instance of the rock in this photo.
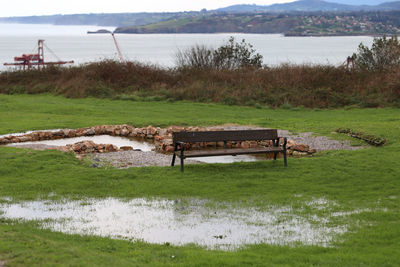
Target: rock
(4, 141)
(296, 153)
(124, 132)
(299, 154)
(168, 141)
(244, 145)
(99, 130)
(253, 144)
(25, 138)
(163, 132)
(169, 149)
(300, 147)
(89, 132)
(65, 133)
(109, 129)
(72, 134)
(35, 136)
(79, 133)
(126, 148)
(111, 148)
(58, 134)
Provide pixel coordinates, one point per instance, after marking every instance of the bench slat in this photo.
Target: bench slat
(216, 136)
(233, 151)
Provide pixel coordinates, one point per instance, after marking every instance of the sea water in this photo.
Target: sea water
(73, 43)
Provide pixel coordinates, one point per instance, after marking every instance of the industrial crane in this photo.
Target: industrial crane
(118, 50)
(30, 60)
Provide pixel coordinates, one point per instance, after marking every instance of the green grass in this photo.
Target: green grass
(368, 178)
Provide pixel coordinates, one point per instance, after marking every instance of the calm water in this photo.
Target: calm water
(72, 43)
(188, 221)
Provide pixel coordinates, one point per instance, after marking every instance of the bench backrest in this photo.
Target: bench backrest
(216, 136)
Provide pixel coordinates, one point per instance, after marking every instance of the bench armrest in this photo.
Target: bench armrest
(284, 141)
(182, 144)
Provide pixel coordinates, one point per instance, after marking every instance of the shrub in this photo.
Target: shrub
(230, 56)
(198, 56)
(383, 55)
(234, 55)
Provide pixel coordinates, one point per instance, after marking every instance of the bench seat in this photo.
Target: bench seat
(180, 138)
(232, 151)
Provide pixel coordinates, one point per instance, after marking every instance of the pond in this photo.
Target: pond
(183, 221)
(98, 139)
(140, 144)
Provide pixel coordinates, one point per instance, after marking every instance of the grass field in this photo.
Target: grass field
(367, 179)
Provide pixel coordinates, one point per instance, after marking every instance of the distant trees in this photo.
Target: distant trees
(232, 55)
(383, 54)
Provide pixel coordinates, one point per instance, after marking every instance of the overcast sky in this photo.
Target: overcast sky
(49, 7)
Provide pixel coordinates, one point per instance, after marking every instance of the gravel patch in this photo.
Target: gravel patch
(320, 143)
(127, 159)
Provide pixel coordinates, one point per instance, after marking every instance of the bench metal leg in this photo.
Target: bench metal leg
(182, 167)
(285, 158)
(275, 155)
(173, 159)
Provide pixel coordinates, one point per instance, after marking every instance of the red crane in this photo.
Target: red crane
(118, 50)
(29, 60)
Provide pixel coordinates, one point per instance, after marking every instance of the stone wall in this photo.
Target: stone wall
(162, 138)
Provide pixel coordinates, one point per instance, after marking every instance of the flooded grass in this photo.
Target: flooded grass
(161, 221)
(362, 186)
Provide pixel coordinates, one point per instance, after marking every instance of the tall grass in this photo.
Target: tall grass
(312, 86)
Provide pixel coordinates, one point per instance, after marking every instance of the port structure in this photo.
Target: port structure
(28, 61)
(121, 57)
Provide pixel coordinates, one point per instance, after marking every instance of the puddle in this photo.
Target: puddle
(177, 222)
(231, 159)
(98, 139)
(28, 132)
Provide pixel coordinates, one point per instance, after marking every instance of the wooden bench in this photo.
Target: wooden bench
(180, 138)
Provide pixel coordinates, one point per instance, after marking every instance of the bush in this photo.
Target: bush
(383, 55)
(234, 55)
(230, 56)
(199, 57)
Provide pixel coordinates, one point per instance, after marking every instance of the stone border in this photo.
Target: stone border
(162, 138)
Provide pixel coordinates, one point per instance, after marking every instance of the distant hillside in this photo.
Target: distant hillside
(143, 18)
(390, 6)
(360, 2)
(311, 24)
(194, 21)
(116, 19)
(311, 6)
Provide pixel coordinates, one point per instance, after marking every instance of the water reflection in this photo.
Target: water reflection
(177, 222)
(98, 139)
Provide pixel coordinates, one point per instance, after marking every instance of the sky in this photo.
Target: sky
(11, 8)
